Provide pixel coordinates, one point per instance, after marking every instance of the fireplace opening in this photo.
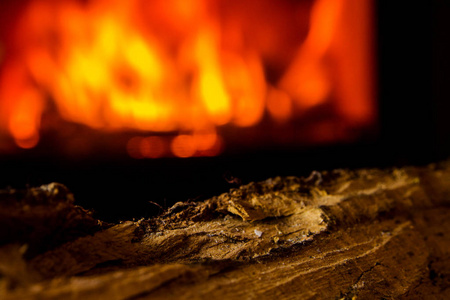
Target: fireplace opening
(168, 79)
(165, 102)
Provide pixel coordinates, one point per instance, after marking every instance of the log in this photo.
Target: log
(341, 234)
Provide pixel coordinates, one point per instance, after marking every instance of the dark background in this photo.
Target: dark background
(414, 126)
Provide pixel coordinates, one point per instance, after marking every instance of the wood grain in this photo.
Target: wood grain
(341, 234)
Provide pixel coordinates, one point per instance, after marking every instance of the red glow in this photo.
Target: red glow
(183, 146)
(152, 147)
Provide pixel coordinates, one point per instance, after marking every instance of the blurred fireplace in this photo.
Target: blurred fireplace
(168, 79)
(292, 139)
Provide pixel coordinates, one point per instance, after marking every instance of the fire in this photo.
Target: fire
(182, 66)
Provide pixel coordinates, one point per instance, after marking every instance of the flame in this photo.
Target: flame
(176, 66)
(340, 31)
(23, 108)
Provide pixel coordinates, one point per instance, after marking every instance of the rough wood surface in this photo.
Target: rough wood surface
(341, 234)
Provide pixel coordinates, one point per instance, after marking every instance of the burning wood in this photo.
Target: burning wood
(336, 234)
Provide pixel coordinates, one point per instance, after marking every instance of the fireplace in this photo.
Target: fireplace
(168, 79)
(101, 135)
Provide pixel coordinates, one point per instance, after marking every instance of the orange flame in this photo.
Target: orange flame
(173, 65)
(341, 33)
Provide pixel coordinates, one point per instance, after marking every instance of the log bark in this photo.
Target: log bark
(341, 234)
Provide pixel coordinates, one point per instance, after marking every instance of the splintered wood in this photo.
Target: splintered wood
(334, 235)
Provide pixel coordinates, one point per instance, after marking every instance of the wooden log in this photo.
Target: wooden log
(339, 234)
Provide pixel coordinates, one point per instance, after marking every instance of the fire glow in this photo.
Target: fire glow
(187, 67)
